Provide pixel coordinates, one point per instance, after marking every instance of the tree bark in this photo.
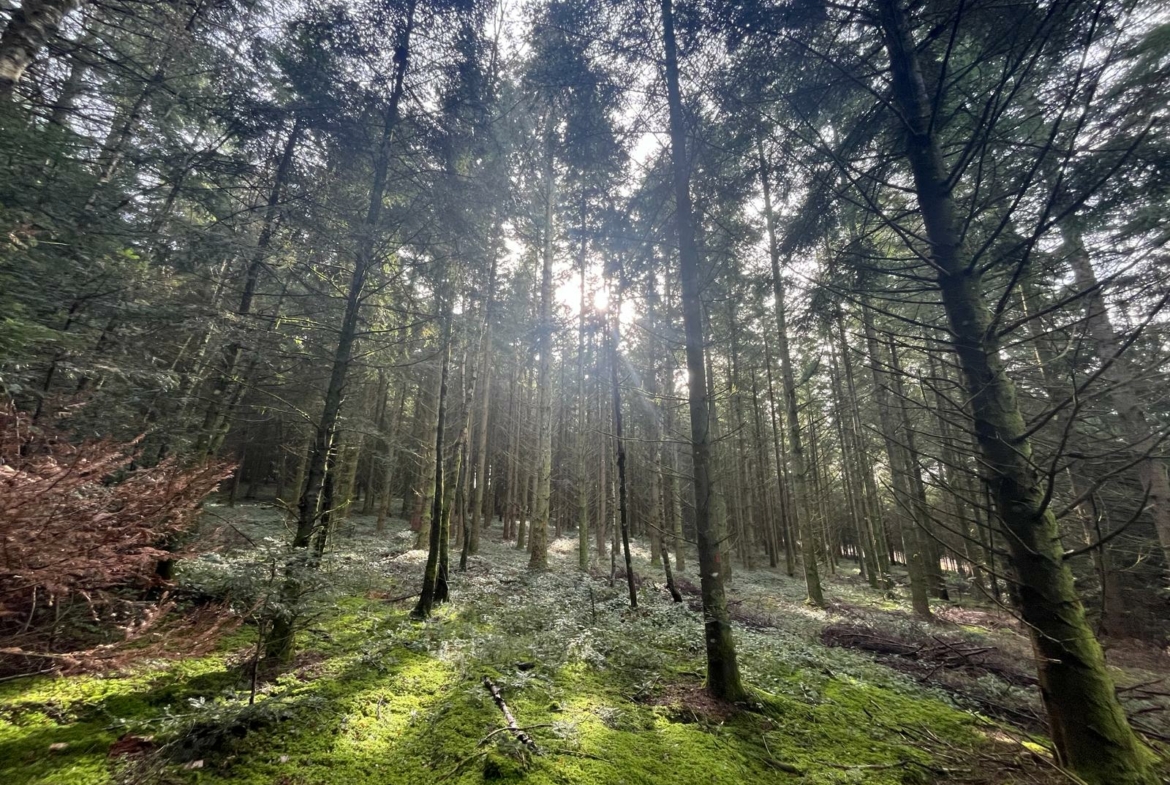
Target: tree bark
(801, 510)
(623, 498)
(430, 585)
(723, 678)
(319, 471)
(899, 474)
(1120, 376)
(538, 533)
(29, 29)
(1088, 726)
(215, 422)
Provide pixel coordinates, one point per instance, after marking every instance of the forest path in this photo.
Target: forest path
(609, 695)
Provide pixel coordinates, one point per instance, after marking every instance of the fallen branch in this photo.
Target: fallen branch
(486, 738)
(516, 730)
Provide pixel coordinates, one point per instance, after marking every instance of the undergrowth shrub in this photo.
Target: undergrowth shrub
(82, 526)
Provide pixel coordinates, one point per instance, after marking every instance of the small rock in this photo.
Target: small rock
(195, 764)
(58, 746)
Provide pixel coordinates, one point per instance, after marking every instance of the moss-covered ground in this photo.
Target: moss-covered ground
(609, 694)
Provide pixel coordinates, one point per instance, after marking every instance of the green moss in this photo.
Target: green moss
(378, 699)
(87, 714)
(378, 706)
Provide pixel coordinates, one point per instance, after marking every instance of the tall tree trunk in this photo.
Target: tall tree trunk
(717, 458)
(540, 517)
(430, 585)
(723, 678)
(741, 494)
(390, 434)
(427, 410)
(582, 440)
(875, 525)
(485, 354)
(319, 471)
(921, 511)
(899, 474)
(954, 476)
(215, 421)
(460, 472)
(1121, 377)
(512, 454)
(1088, 726)
(781, 471)
(623, 497)
(655, 515)
(762, 479)
(603, 416)
(802, 509)
(863, 541)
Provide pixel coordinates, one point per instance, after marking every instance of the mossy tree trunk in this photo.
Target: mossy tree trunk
(1088, 726)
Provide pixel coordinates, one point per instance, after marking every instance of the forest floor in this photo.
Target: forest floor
(857, 693)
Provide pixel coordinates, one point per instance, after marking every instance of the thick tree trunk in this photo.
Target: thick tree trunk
(1088, 726)
(723, 678)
